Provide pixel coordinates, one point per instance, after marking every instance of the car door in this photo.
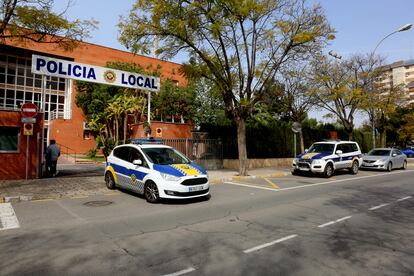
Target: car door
(339, 159)
(137, 172)
(398, 157)
(348, 155)
(120, 165)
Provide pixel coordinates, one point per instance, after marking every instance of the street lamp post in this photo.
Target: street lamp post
(406, 27)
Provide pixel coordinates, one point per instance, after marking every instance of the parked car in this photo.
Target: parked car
(327, 157)
(384, 159)
(409, 151)
(156, 171)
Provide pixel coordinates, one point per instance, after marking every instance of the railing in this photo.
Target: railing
(206, 152)
(68, 152)
(56, 114)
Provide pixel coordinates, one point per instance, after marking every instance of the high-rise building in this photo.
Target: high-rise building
(399, 73)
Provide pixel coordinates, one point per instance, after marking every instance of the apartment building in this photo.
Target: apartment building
(399, 73)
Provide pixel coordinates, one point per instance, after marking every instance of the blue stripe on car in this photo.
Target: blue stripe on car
(168, 170)
(127, 172)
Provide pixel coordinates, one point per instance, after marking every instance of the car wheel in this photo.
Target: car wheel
(389, 167)
(355, 167)
(151, 192)
(404, 167)
(109, 181)
(329, 170)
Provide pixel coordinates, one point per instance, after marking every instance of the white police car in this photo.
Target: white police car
(156, 171)
(326, 157)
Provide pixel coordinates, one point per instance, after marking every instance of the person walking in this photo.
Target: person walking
(52, 155)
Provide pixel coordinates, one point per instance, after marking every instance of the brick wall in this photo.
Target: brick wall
(70, 132)
(169, 130)
(13, 165)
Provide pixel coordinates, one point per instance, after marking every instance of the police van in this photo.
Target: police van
(155, 171)
(327, 157)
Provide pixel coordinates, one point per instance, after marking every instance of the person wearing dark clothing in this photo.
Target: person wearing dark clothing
(52, 155)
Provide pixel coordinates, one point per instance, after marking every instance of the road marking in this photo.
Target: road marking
(274, 185)
(42, 200)
(334, 221)
(269, 244)
(181, 272)
(316, 184)
(404, 198)
(8, 219)
(378, 206)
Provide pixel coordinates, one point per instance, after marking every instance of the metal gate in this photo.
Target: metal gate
(208, 153)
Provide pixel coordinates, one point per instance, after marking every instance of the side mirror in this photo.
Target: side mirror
(394, 154)
(306, 150)
(137, 162)
(339, 152)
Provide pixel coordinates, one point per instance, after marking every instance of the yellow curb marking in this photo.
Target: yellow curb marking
(271, 183)
(42, 200)
(78, 197)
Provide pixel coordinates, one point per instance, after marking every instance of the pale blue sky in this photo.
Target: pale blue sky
(360, 24)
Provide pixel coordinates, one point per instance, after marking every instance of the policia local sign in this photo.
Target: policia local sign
(84, 72)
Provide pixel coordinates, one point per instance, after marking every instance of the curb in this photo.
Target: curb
(232, 178)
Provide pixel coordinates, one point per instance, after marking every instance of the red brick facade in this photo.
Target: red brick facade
(14, 164)
(70, 133)
(167, 130)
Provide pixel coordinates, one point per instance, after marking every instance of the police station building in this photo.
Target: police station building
(44, 74)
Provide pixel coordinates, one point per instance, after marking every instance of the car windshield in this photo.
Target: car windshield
(165, 156)
(321, 148)
(379, 152)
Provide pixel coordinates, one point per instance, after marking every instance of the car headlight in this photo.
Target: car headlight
(317, 162)
(170, 177)
(380, 161)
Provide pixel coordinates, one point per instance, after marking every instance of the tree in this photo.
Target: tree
(34, 20)
(341, 87)
(296, 99)
(238, 45)
(174, 101)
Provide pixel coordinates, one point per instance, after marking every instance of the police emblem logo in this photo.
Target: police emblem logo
(133, 179)
(109, 76)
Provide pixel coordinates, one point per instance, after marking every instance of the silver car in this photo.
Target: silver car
(384, 159)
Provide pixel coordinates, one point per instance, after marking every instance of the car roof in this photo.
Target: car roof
(145, 146)
(335, 142)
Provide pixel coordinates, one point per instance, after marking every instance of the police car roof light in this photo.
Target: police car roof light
(146, 141)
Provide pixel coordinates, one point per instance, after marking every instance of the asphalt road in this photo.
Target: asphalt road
(290, 225)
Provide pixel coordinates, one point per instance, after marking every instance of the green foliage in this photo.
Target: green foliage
(108, 108)
(92, 153)
(27, 20)
(237, 45)
(174, 101)
(400, 128)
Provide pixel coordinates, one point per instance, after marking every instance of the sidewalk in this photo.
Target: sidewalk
(70, 185)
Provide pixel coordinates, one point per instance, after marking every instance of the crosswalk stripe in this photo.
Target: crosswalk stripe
(8, 219)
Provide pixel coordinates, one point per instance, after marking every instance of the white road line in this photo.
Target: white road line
(334, 221)
(378, 206)
(8, 219)
(181, 272)
(269, 244)
(404, 198)
(315, 184)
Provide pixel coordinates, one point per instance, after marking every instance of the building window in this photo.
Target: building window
(86, 135)
(9, 139)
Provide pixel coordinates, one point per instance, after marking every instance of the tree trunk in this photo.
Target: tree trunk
(382, 138)
(125, 127)
(302, 142)
(350, 135)
(241, 145)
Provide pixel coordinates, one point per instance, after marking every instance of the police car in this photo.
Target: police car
(327, 157)
(156, 171)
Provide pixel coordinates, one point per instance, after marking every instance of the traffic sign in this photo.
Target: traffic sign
(28, 120)
(158, 132)
(28, 129)
(29, 110)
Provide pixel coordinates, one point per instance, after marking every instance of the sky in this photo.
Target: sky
(360, 25)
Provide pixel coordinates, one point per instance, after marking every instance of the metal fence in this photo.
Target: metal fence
(208, 153)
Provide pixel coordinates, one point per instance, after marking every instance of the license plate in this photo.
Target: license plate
(368, 165)
(304, 169)
(195, 188)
